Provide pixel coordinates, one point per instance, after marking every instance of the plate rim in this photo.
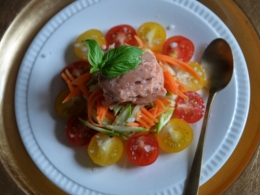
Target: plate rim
(3, 106)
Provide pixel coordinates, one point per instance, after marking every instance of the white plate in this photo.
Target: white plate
(39, 82)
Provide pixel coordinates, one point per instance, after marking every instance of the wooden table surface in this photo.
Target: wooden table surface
(248, 182)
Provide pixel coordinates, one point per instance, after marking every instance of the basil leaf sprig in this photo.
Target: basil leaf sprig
(115, 62)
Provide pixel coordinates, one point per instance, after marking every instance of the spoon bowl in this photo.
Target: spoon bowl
(217, 62)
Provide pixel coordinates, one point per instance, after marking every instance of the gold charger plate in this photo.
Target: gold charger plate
(13, 46)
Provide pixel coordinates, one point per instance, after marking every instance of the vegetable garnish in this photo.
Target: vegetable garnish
(115, 62)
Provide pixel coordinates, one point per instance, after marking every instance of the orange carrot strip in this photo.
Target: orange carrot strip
(101, 111)
(133, 124)
(176, 62)
(149, 115)
(91, 105)
(153, 110)
(94, 93)
(147, 120)
(71, 78)
(82, 79)
(110, 116)
(84, 90)
(143, 123)
(159, 113)
(66, 79)
(171, 85)
(74, 92)
(181, 86)
(165, 101)
(159, 104)
(70, 86)
(139, 41)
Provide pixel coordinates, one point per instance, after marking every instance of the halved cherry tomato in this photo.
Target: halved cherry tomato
(179, 47)
(189, 81)
(121, 35)
(69, 108)
(78, 133)
(77, 69)
(190, 109)
(105, 150)
(153, 35)
(142, 150)
(80, 48)
(175, 136)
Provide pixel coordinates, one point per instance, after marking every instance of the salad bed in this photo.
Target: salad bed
(140, 130)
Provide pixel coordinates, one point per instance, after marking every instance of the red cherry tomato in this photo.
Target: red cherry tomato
(77, 69)
(190, 109)
(78, 133)
(120, 35)
(179, 47)
(142, 150)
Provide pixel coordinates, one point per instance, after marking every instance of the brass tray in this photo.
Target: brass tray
(13, 46)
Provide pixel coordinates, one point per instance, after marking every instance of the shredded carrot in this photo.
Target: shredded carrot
(159, 112)
(70, 86)
(147, 120)
(82, 79)
(165, 101)
(181, 86)
(84, 90)
(72, 93)
(110, 116)
(139, 41)
(92, 103)
(101, 110)
(143, 123)
(176, 62)
(171, 85)
(159, 104)
(153, 110)
(71, 78)
(66, 79)
(133, 124)
(149, 115)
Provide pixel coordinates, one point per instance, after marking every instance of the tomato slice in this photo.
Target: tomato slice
(179, 47)
(78, 133)
(190, 109)
(121, 35)
(153, 35)
(175, 136)
(142, 150)
(77, 69)
(71, 107)
(189, 81)
(80, 48)
(105, 150)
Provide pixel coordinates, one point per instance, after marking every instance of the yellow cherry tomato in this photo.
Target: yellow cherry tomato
(69, 108)
(175, 136)
(80, 48)
(189, 81)
(105, 150)
(153, 35)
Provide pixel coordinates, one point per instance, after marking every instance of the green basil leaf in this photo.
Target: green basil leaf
(95, 54)
(120, 60)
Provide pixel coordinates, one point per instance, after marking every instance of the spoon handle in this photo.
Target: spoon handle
(192, 184)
